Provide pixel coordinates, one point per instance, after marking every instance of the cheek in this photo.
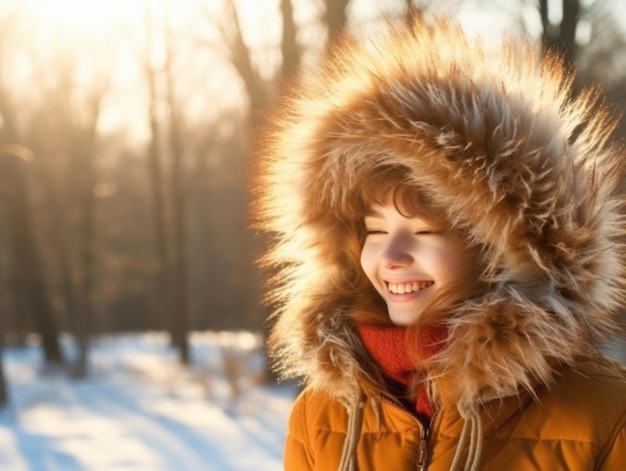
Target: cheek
(440, 260)
(368, 261)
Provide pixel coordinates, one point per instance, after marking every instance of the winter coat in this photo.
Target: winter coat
(519, 163)
(578, 425)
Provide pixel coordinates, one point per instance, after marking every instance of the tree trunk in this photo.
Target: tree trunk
(4, 392)
(289, 45)
(241, 60)
(85, 315)
(180, 302)
(29, 270)
(561, 37)
(335, 17)
(155, 171)
(84, 156)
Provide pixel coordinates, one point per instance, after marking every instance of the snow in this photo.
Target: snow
(139, 410)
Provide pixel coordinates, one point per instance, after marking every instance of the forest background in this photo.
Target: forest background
(125, 137)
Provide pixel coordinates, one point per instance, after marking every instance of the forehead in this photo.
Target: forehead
(382, 210)
(390, 212)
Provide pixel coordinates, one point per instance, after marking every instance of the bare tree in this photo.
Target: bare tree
(27, 265)
(561, 36)
(155, 170)
(240, 57)
(289, 44)
(180, 299)
(84, 151)
(4, 389)
(602, 58)
(4, 392)
(335, 17)
(15, 198)
(63, 131)
(233, 48)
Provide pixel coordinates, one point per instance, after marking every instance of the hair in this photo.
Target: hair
(392, 184)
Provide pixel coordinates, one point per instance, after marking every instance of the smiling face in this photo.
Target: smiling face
(409, 260)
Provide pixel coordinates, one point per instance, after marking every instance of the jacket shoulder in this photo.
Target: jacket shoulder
(586, 404)
(600, 381)
(316, 428)
(314, 409)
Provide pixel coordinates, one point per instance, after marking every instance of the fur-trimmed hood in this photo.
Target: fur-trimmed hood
(499, 139)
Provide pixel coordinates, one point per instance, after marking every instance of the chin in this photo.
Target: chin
(402, 319)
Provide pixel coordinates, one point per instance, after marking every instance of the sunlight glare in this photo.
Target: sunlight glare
(79, 15)
(84, 19)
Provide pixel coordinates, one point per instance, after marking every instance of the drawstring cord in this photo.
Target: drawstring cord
(355, 420)
(472, 430)
(474, 427)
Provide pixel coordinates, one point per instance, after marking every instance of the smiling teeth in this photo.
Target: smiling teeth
(405, 288)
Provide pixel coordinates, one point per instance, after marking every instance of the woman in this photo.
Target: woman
(448, 255)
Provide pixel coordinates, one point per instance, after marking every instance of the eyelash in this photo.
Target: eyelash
(376, 232)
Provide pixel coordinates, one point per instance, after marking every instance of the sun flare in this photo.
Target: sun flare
(83, 15)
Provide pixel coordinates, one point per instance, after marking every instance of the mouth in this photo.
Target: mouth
(408, 287)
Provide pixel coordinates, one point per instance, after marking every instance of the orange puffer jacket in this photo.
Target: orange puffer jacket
(578, 425)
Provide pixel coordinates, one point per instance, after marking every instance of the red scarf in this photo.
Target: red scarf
(388, 348)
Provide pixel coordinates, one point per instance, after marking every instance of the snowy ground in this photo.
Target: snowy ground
(140, 412)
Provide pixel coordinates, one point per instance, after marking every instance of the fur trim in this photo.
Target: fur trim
(499, 139)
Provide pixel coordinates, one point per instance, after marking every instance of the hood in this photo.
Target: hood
(497, 137)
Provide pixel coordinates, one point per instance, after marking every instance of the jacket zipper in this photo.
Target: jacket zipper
(425, 433)
(422, 452)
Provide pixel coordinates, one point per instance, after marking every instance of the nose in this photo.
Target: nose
(397, 252)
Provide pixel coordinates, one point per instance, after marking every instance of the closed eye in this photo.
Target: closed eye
(428, 231)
